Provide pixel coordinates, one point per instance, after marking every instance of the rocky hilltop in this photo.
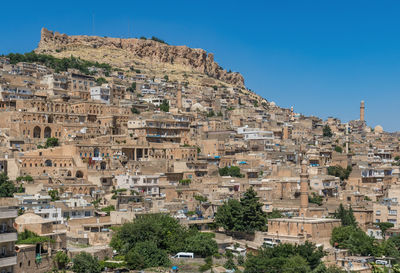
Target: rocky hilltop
(197, 60)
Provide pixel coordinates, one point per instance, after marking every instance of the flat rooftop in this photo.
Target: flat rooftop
(305, 220)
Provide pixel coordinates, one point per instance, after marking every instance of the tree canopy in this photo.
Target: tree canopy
(340, 172)
(232, 171)
(156, 235)
(164, 106)
(285, 258)
(58, 64)
(85, 263)
(326, 131)
(7, 188)
(346, 216)
(244, 215)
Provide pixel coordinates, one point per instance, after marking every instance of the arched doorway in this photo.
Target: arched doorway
(36, 132)
(47, 132)
(103, 165)
(79, 174)
(48, 163)
(96, 152)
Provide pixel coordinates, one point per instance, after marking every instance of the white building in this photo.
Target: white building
(257, 134)
(52, 213)
(146, 184)
(101, 93)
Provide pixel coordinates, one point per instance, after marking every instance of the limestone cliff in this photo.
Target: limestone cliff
(197, 60)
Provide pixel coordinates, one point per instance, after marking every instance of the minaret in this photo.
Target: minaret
(303, 189)
(362, 109)
(347, 138)
(179, 97)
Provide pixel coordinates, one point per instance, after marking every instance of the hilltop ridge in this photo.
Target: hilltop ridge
(126, 52)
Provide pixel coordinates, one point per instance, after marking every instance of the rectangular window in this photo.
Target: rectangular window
(392, 212)
(378, 212)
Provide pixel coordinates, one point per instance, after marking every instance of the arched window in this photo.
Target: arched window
(47, 132)
(96, 152)
(48, 163)
(36, 132)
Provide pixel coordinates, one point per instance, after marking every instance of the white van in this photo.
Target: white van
(189, 255)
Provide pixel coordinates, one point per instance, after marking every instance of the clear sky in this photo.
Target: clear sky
(322, 57)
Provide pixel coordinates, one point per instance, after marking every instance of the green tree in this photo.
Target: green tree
(315, 199)
(164, 106)
(296, 264)
(338, 149)
(285, 258)
(7, 188)
(246, 215)
(211, 114)
(134, 110)
(101, 80)
(51, 142)
(326, 131)
(383, 226)
(230, 216)
(163, 230)
(54, 195)
(230, 264)
(26, 178)
(86, 263)
(254, 218)
(274, 214)
(340, 172)
(346, 216)
(146, 254)
(60, 260)
(355, 240)
(202, 244)
(108, 209)
(232, 171)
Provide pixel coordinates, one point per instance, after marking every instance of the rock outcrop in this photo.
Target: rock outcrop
(196, 59)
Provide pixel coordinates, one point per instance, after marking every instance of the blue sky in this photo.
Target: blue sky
(322, 57)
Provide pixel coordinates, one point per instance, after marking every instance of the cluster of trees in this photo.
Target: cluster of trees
(288, 258)
(147, 241)
(50, 142)
(164, 106)
(7, 188)
(101, 80)
(54, 195)
(84, 263)
(315, 199)
(134, 110)
(340, 172)
(158, 40)
(350, 236)
(326, 131)
(58, 64)
(232, 171)
(245, 215)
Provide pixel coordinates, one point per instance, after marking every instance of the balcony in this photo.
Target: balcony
(8, 261)
(8, 237)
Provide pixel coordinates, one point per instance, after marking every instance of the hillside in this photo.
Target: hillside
(152, 57)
